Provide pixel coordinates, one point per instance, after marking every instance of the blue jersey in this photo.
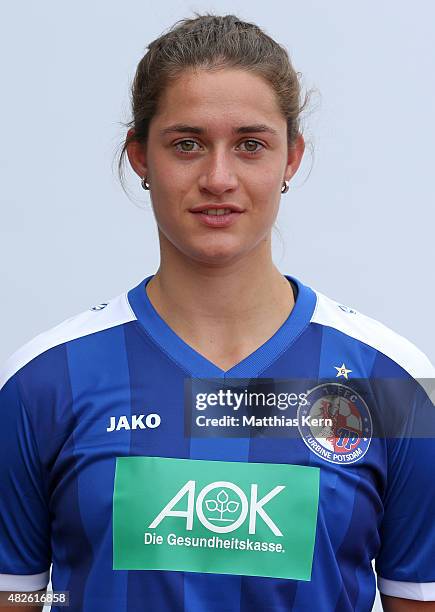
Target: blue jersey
(111, 476)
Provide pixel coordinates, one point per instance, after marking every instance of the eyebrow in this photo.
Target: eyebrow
(243, 129)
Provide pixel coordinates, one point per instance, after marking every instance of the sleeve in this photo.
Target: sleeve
(405, 564)
(25, 554)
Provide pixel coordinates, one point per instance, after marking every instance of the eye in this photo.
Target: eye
(183, 142)
(255, 142)
(190, 144)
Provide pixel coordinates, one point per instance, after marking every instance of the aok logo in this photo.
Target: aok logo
(221, 507)
(186, 515)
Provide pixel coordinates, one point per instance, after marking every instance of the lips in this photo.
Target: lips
(204, 207)
(217, 219)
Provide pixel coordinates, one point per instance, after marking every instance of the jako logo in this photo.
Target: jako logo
(151, 421)
(347, 309)
(99, 306)
(220, 507)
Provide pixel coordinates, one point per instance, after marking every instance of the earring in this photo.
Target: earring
(144, 183)
(285, 186)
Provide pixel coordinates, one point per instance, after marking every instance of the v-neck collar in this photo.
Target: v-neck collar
(199, 366)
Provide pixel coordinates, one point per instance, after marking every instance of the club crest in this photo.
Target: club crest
(347, 426)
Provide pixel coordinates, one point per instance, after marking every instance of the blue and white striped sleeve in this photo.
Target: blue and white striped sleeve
(25, 555)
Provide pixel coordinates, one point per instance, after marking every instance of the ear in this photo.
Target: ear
(295, 154)
(136, 152)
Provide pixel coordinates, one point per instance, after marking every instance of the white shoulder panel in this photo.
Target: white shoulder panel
(34, 582)
(419, 591)
(374, 333)
(114, 312)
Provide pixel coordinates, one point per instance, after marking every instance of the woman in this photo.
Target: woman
(145, 500)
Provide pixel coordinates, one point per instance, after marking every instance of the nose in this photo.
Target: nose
(218, 175)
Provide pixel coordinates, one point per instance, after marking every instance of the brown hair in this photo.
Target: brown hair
(211, 42)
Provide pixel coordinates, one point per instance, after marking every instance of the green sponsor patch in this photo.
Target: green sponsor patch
(222, 517)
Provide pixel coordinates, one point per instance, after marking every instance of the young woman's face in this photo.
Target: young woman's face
(206, 146)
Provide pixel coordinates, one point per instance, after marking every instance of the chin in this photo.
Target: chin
(215, 254)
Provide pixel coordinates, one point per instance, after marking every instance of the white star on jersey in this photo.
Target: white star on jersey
(342, 371)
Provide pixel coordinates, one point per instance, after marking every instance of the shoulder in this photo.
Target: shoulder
(371, 332)
(115, 311)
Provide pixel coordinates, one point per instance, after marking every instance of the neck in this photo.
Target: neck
(224, 312)
(244, 290)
